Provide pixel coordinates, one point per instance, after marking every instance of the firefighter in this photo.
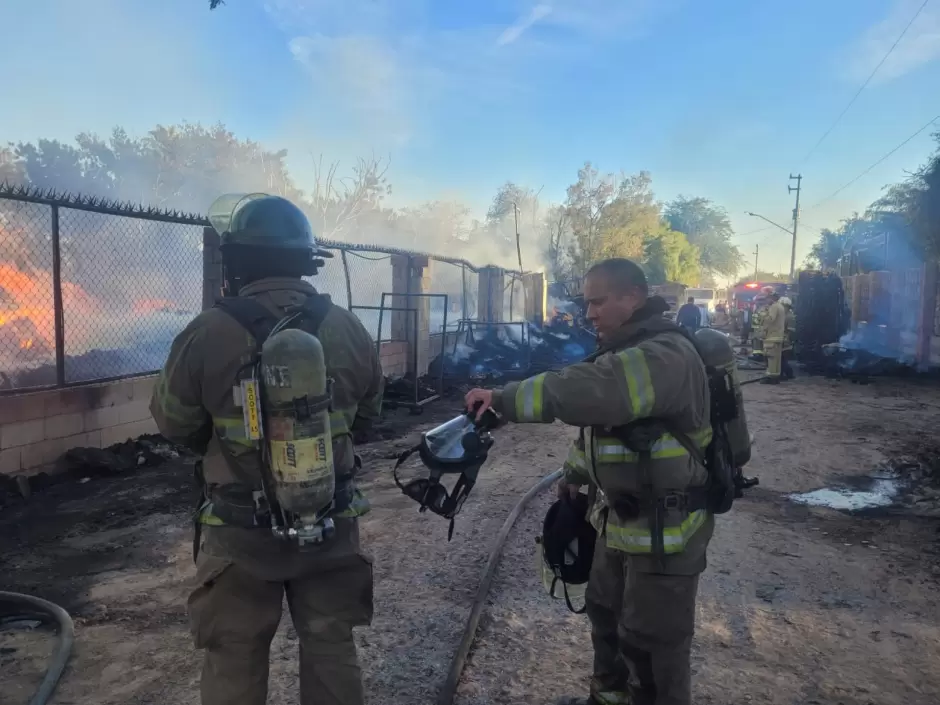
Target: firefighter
(647, 506)
(786, 369)
(243, 571)
(773, 325)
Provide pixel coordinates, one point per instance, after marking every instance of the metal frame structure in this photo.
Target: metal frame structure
(418, 403)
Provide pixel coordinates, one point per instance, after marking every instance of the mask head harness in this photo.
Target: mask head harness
(459, 447)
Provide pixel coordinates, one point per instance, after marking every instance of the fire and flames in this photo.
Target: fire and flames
(27, 313)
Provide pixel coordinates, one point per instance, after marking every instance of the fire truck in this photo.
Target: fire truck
(743, 295)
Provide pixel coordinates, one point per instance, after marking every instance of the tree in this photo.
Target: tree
(631, 218)
(670, 257)
(709, 228)
(608, 217)
(338, 205)
(827, 251)
(513, 207)
(587, 199)
(557, 229)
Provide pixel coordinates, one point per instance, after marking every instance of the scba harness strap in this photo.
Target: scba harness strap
(430, 493)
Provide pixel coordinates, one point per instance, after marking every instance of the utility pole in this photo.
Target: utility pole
(756, 252)
(796, 219)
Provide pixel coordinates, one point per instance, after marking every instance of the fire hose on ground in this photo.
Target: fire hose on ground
(449, 691)
(15, 607)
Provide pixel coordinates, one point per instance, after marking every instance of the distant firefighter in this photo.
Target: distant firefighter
(773, 325)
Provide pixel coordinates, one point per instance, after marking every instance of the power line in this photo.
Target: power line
(865, 84)
(846, 185)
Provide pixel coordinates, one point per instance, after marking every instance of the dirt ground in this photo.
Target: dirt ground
(799, 605)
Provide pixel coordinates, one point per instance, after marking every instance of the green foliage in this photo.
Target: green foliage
(709, 228)
(609, 217)
(899, 229)
(670, 257)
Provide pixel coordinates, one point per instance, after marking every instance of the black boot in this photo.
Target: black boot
(770, 380)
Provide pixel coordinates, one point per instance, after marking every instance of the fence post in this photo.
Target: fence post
(57, 299)
(490, 282)
(348, 284)
(512, 293)
(463, 297)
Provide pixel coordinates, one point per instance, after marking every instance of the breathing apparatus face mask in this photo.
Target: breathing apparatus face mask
(458, 447)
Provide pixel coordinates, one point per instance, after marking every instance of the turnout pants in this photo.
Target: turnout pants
(235, 610)
(774, 353)
(641, 627)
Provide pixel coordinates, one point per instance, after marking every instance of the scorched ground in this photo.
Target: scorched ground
(800, 604)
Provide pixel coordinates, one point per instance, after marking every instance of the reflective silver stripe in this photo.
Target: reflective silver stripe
(529, 399)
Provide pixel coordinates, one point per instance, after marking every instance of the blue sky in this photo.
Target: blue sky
(721, 99)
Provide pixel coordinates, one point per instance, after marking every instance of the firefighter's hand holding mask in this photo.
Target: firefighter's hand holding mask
(483, 397)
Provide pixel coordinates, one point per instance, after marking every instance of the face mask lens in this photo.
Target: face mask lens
(446, 441)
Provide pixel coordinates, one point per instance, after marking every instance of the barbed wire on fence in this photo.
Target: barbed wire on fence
(92, 289)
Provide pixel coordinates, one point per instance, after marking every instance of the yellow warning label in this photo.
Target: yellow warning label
(251, 409)
(306, 460)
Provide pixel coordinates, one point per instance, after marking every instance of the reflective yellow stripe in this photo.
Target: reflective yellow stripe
(639, 382)
(208, 518)
(232, 429)
(359, 506)
(611, 450)
(635, 539)
(529, 399)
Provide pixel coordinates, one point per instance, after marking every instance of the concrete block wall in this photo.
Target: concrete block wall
(395, 358)
(37, 428)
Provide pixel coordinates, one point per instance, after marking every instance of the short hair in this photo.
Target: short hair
(622, 274)
(691, 300)
(775, 296)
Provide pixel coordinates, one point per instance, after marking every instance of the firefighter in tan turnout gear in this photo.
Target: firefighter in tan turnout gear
(648, 509)
(773, 326)
(207, 400)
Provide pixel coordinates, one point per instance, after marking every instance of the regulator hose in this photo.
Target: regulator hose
(449, 691)
(29, 607)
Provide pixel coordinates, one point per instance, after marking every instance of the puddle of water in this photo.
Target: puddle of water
(881, 493)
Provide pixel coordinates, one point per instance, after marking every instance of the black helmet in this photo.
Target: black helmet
(568, 541)
(264, 221)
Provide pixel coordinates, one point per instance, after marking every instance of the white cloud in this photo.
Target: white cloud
(920, 45)
(516, 30)
(387, 74)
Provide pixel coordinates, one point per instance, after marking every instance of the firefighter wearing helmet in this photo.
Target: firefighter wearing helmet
(786, 369)
(267, 387)
(773, 331)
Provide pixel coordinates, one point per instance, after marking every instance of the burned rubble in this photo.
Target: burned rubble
(504, 352)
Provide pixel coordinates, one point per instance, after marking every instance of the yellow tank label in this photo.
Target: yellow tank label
(303, 460)
(251, 409)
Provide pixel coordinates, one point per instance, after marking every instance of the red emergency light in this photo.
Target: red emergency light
(751, 285)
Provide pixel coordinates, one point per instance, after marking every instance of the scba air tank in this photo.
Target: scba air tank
(716, 350)
(296, 406)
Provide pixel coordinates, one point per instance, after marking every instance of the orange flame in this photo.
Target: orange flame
(27, 312)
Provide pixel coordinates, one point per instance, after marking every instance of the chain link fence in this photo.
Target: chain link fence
(93, 291)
